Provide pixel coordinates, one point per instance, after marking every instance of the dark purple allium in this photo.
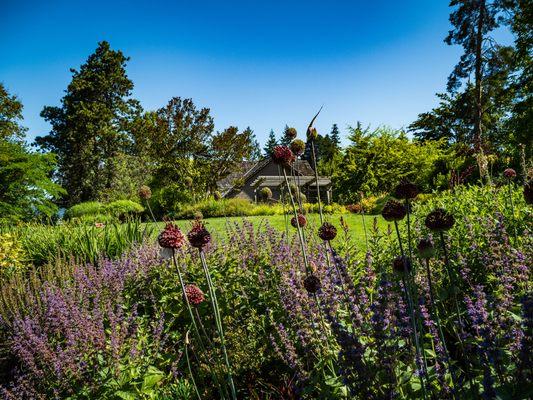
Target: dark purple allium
(406, 190)
(426, 248)
(194, 294)
(198, 236)
(327, 231)
(290, 133)
(283, 156)
(439, 220)
(297, 146)
(145, 192)
(393, 211)
(399, 264)
(509, 173)
(302, 221)
(528, 191)
(312, 134)
(171, 237)
(312, 284)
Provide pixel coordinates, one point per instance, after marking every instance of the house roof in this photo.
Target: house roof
(250, 169)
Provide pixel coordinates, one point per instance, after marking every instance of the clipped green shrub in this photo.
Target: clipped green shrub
(85, 209)
(121, 208)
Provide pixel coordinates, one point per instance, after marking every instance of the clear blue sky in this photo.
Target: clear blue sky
(261, 64)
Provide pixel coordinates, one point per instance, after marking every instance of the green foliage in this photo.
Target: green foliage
(375, 161)
(90, 128)
(26, 190)
(85, 209)
(43, 244)
(270, 144)
(123, 208)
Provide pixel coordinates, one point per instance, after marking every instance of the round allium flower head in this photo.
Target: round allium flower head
(312, 134)
(171, 237)
(528, 191)
(393, 211)
(302, 221)
(406, 190)
(439, 220)
(509, 173)
(297, 146)
(145, 192)
(290, 133)
(312, 284)
(194, 294)
(198, 236)
(426, 248)
(283, 156)
(400, 263)
(327, 231)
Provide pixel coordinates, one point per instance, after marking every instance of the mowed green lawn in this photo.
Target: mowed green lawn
(217, 226)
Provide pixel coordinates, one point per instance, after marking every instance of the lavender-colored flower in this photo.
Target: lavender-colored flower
(283, 156)
(327, 231)
(194, 294)
(439, 220)
(171, 237)
(312, 283)
(301, 221)
(406, 190)
(199, 236)
(393, 211)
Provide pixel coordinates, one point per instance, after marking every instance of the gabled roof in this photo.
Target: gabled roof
(249, 170)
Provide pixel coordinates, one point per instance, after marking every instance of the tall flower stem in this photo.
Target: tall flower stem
(411, 311)
(195, 326)
(218, 321)
(439, 325)
(316, 181)
(299, 228)
(285, 216)
(510, 186)
(150, 209)
(408, 208)
(189, 365)
(451, 276)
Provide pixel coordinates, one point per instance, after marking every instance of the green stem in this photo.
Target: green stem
(189, 365)
(316, 179)
(451, 277)
(196, 330)
(300, 233)
(218, 320)
(411, 311)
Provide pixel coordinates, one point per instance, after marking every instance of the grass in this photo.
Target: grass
(355, 223)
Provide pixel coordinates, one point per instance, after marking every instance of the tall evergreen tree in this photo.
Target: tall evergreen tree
(270, 144)
(255, 154)
(88, 129)
(335, 136)
(473, 20)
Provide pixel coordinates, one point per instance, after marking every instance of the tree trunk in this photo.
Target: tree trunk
(479, 76)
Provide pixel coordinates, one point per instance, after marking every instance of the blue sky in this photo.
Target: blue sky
(261, 64)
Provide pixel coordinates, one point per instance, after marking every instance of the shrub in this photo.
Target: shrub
(265, 194)
(85, 209)
(122, 208)
(11, 255)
